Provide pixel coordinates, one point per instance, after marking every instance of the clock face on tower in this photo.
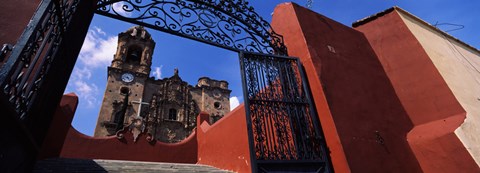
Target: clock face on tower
(127, 77)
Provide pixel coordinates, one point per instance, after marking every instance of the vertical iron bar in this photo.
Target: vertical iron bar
(262, 88)
(297, 97)
(38, 74)
(37, 56)
(268, 106)
(61, 15)
(287, 117)
(279, 99)
(246, 101)
(279, 110)
(256, 97)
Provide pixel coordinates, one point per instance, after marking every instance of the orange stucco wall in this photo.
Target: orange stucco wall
(364, 122)
(426, 97)
(225, 144)
(78, 145)
(286, 23)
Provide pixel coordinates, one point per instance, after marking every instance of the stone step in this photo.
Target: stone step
(99, 165)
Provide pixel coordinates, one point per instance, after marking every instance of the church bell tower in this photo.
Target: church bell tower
(127, 76)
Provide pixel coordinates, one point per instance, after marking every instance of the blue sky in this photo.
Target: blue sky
(195, 59)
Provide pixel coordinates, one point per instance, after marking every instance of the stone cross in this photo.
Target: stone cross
(140, 103)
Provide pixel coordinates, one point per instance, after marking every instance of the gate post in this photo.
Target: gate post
(61, 67)
(246, 102)
(35, 76)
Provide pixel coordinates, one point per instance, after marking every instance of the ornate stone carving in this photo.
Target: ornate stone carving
(137, 127)
(173, 104)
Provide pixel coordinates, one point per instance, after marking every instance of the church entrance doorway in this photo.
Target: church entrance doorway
(283, 127)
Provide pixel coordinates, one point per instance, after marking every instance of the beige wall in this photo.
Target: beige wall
(459, 65)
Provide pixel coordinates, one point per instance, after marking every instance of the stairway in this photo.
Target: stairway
(94, 166)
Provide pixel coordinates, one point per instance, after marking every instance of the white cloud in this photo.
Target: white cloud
(87, 92)
(96, 53)
(234, 102)
(83, 88)
(96, 50)
(118, 7)
(158, 72)
(100, 31)
(83, 73)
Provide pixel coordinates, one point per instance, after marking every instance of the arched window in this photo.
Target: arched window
(134, 55)
(172, 114)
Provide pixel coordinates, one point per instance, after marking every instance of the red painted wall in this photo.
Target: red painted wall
(364, 122)
(429, 102)
(285, 22)
(78, 145)
(15, 15)
(225, 144)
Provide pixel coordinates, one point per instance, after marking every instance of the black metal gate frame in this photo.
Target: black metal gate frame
(290, 134)
(228, 24)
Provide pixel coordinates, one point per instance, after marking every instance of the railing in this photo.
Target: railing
(34, 74)
(24, 71)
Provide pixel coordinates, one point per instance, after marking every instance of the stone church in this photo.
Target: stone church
(165, 108)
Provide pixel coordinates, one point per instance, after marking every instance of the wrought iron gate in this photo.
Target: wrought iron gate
(283, 128)
(283, 125)
(284, 132)
(33, 77)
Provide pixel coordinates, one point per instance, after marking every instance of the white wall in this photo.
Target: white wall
(459, 65)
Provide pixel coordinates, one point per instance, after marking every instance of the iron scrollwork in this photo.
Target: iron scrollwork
(230, 24)
(29, 62)
(283, 124)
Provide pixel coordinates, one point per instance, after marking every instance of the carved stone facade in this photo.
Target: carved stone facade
(167, 107)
